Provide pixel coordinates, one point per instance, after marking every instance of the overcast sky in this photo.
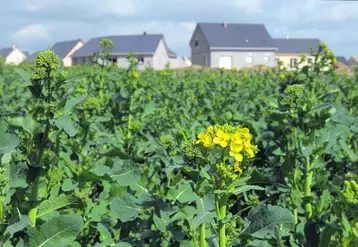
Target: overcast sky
(36, 24)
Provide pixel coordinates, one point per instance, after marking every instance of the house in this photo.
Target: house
(343, 61)
(290, 51)
(151, 51)
(32, 57)
(65, 49)
(228, 45)
(353, 60)
(12, 55)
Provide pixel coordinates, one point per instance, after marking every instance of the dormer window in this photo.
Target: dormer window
(140, 60)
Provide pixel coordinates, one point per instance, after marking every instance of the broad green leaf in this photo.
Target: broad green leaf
(205, 204)
(60, 231)
(67, 185)
(201, 218)
(125, 207)
(148, 109)
(162, 222)
(278, 237)
(25, 77)
(187, 243)
(184, 193)
(27, 123)
(72, 102)
(65, 123)
(18, 174)
(8, 141)
(23, 222)
(55, 203)
(263, 219)
(122, 244)
(125, 173)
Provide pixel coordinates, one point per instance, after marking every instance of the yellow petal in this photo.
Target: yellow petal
(216, 140)
(238, 157)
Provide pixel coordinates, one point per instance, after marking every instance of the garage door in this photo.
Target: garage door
(225, 62)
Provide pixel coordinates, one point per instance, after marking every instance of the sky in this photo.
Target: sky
(35, 25)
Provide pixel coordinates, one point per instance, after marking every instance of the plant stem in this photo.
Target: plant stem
(203, 236)
(220, 204)
(308, 181)
(295, 215)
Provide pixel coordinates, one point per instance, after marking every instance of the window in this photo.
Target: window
(267, 59)
(249, 58)
(293, 62)
(141, 60)
(196, 43)
(309, 61)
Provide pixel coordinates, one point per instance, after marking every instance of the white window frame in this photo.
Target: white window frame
(267, 59)
(140, 60)
(309, 60)
(293, 61)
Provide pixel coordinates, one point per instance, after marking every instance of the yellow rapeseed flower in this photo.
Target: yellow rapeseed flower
(221, 138)
(237, 167)
(238, 156)
(205, 139)
(210, 129)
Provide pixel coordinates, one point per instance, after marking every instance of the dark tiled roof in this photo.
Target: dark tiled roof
(5, 52)
(239, 36)
(343, 60)
(32, 57)
(62, 48)
(123, 44)
(296, 45)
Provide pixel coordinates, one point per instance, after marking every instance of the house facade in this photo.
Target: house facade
(231, 45)
(13, 55)
(65, 49)
(151, 51)
(353, 60)
(290, 51)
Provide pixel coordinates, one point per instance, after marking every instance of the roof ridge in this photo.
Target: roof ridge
(128, 35)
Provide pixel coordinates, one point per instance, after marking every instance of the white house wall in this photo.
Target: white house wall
(239, 58)
(160, 58)
(15, 57)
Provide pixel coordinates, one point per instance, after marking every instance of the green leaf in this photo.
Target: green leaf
(125, 207)
(162, 222)
(201, 218)
(326, 235)
(55, 203)
(245, 188)
(205, 204)
(148, 109)
(8, 141)
(187, 243)
(27, 123)
(67, 185)
(324, 202)
(59, 231)
(184, 193)
(23, 222)
(65, 123)
(352, 156)
(71, 103)
(25, 76)
(18, 174)
(263, 219)
(125, 173)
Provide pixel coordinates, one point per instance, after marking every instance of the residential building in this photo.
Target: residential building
(151, 51)
(65, 49)
(228, 45)
(13, 55)
(32, 57)
(290, 51)
(343, 61)
(353, 60)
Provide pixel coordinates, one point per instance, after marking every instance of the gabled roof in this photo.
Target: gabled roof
(124, 44)
(32, 57)
(343, 60)
(5, 52)
(296, 45)
(61, 49)
(237, 36)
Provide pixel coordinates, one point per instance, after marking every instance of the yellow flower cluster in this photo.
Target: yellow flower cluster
(236, 139)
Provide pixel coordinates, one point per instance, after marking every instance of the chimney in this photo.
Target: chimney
(13, 47)
(225, 24)
(144, 33)
(287, 37)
